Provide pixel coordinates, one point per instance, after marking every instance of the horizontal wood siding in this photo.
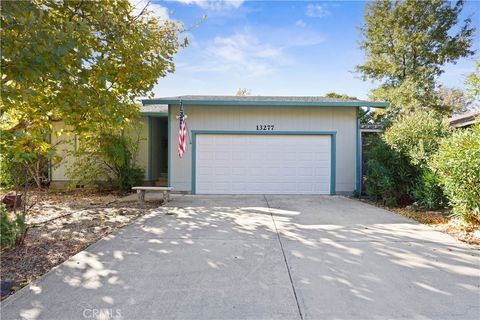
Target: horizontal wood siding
(66, 143)
(341, 120)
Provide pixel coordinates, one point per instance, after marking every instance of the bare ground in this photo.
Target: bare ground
(62, 224)
(440, 220)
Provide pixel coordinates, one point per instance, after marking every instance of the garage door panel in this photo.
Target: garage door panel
(205, 156)
(304, 156)
(321, 156)
(207, 140)
(220, 140)
(239, 171)
(239, 155)
(205, 171)
(221, 156)
(222, 171)
(220, 186)
(306, 187)
(305, 171)
(289, 156)
(273, 172)
(321, 189)
(257, 164)
(321, 166)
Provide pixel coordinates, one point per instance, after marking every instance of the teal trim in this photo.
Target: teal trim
(154, 114)
(280, 133)
(358, 157)
(150, 155)
(169, 146)
(333, 164)
(194, 161)
(333, 147)
(256, 103)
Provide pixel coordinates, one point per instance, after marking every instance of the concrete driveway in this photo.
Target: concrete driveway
(262, 257)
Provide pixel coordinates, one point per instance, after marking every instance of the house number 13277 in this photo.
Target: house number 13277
(265, 127)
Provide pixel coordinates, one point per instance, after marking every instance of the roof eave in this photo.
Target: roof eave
(154, 114)
(371, 104)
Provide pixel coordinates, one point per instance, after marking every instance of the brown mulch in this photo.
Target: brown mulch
(440, 220)
(60, 225)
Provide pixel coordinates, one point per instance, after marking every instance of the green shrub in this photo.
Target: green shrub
(116, 151)
(6, 180)
(12, 172)
(417, 135)
(427, 191)
(107, 159)
(130, 177)
(389, 174)
(24, 157)
(11, 229)
(458, 165)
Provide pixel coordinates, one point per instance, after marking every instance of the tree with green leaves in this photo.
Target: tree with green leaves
(458, 165)
(243, 92)
(80, 62)
(407, 44)
(454, 99)
(473, 83)
(342, 96)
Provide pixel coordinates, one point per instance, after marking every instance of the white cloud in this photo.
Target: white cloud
(154, 9)
(250, 53)
(269, 52)
(300, 23)
(215, 5)
(243, 51)
(317, 11)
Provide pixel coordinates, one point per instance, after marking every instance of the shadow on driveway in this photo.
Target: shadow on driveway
(261, 257)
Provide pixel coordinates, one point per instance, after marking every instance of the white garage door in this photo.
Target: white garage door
(262, 164)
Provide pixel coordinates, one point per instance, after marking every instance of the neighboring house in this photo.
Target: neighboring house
(464, 120)
(253, 145)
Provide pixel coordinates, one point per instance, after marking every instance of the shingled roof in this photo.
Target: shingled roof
(264, 101)
(154, 108)
(464, 120)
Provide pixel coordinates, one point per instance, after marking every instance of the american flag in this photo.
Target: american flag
(182, 132)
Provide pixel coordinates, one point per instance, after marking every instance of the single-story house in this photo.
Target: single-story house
(252, 145)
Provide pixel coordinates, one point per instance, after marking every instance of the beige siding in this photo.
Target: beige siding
(339, 119)
(66, 143)
(142, 133)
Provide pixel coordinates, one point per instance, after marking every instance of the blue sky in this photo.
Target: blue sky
(277, 48)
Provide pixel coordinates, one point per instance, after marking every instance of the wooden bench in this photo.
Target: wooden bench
(141, 193)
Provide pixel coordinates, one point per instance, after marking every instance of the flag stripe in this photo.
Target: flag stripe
(182, 132)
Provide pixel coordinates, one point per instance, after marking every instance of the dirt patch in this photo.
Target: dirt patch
(440, 220)
(62, 224)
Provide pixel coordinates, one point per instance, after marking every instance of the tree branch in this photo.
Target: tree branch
(141, 12)
(74, 12)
